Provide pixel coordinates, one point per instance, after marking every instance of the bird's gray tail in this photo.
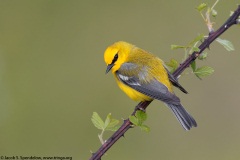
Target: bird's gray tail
(185, 119)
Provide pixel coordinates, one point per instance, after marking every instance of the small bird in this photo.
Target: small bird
(143, 77)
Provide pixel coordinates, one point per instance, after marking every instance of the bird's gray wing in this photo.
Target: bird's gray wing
(174, 81)
(135, 77)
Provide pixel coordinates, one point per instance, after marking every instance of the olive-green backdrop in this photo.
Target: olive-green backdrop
(52, 78)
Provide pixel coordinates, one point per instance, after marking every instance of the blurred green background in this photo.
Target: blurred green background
(52, 78)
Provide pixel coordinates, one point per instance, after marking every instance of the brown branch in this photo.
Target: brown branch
(143, 105)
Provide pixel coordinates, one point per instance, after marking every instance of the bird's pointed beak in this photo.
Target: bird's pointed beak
(109, 67)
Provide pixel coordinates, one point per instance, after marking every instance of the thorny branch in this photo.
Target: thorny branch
(233, 19)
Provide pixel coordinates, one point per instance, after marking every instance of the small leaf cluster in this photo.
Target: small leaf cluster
(192, 46)
(201, 71)
(210, 10)
(172, 65)
(110, 124)
(138, 119)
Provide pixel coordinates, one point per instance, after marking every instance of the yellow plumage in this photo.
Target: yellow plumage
(143, 77)
(133, 54)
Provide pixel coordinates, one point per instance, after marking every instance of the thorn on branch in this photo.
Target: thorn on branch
(208, 47)
(112, 138)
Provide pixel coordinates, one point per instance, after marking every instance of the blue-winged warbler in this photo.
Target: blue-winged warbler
(143, 77)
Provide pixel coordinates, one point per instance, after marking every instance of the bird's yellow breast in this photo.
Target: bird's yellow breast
(133, 94)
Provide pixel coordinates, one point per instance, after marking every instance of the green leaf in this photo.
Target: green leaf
(134, 120)
(107, 120)
(226, 44)
(173, 64)
(173, 46)
(141, 116)
(193, 65)
(113, 125)
(110, 123)
(195, 49)
(145, 128)
(97, 121)
(214, 13)
(201, 7)
(202, 56)
(138, 120)
(196, 39)
(203, 71)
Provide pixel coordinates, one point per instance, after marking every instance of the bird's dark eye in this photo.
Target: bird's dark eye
(115, 59)
(116, 56)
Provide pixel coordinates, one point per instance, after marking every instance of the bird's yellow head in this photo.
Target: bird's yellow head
(117, 54)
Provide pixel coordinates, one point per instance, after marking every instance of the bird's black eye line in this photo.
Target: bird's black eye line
(115, 59)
